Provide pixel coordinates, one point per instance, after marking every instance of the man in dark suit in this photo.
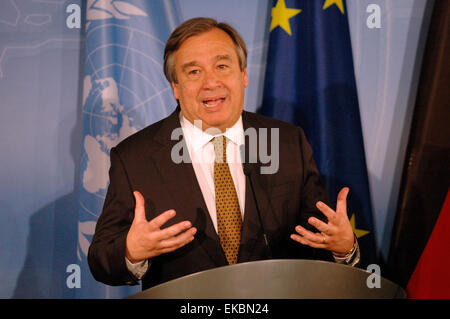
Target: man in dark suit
(179, 206)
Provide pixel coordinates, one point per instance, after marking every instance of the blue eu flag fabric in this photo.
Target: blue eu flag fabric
(310, 82)
(124, 91)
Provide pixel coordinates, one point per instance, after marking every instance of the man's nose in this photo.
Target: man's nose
(211, 80)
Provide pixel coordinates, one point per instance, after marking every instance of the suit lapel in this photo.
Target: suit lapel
(182, 185)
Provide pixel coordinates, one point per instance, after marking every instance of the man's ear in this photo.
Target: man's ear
(245, 78)
(175, 90)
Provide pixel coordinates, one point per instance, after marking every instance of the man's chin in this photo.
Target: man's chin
(215, 121)
(214, 126)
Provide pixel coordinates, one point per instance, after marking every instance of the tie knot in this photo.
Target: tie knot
(220, 149)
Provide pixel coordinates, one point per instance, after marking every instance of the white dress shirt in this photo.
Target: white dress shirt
(201, 152)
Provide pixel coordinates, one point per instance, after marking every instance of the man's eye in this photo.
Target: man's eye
(223, 66)
(194, 72)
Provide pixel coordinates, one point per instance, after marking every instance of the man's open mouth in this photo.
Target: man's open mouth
(213, 101)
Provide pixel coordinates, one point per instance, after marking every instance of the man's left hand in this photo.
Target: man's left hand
(336, 235)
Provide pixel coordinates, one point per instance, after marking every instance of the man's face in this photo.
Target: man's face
(210, 84)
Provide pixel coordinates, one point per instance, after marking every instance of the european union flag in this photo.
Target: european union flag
(310, 82)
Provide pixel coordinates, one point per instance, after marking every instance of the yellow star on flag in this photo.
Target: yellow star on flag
(358, 232)
(338, 3)
(281, 16)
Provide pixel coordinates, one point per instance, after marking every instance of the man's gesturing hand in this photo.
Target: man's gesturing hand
(336, 235)
(146, 239)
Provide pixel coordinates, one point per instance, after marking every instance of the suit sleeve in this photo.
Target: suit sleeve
(313, 186)
(106, 256)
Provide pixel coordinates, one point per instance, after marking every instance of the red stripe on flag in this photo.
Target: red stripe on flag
(431, 277)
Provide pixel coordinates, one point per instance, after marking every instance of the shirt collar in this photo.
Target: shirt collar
(197, 138)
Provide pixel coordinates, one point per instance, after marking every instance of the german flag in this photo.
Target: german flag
(419, 256)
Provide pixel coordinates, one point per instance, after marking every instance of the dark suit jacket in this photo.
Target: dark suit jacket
(143, 162)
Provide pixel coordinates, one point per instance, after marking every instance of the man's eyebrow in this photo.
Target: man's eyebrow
(223, 57)
(189, 64)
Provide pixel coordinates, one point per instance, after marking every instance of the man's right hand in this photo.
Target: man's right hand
(146, 239)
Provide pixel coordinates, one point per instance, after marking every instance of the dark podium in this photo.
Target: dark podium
(275, 279)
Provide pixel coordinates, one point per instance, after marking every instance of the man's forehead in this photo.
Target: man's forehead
(216, 58)
(210, 46)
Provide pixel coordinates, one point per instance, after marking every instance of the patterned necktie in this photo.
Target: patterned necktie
(229, 220)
